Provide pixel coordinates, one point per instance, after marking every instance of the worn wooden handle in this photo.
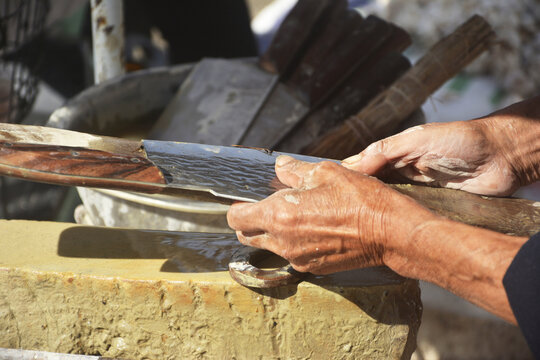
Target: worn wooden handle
(77, 166)
(442, 62)
(510, 216)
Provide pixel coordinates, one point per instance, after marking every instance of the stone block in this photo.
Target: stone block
(112, 292)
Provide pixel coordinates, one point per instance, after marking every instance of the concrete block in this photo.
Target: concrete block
(99, 291)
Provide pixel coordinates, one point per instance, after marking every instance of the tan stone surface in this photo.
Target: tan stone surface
(75, 289)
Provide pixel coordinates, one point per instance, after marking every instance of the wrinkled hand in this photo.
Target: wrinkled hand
(331, 219)
(459, 155)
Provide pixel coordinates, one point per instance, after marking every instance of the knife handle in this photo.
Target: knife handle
(78, 166)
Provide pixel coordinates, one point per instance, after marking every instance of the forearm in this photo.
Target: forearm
(516, 131)
(468, 261)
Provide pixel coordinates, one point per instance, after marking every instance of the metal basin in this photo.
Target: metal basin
(115, 107)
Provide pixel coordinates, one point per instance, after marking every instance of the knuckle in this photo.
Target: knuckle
(327, 166)
(284, 218)
(286, 254)
(381, 146)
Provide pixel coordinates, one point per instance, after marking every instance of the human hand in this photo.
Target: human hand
(331, 219)
(458, 155)
(494, 155)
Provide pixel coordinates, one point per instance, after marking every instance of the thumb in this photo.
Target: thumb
(294, 173)
(378, 155)
(369, 162)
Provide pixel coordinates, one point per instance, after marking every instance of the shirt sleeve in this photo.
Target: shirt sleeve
(522, 285)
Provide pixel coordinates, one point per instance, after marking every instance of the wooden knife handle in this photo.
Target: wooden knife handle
(520, 217)
(78, 166)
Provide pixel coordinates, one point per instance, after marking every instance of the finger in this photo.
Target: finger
(295, 173)
(378, 155)
(248, 217)
(367, 162)
(304, 175)
(262, 241)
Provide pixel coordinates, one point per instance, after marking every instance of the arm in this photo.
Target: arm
(468, 261)
(494, 155)
(333, 219)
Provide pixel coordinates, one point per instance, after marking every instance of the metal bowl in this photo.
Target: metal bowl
(115, 107)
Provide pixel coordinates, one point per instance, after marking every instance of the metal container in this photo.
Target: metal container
(116, 107)
(160, 212)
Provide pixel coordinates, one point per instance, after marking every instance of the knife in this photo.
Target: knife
(228, 173)
(214, 172)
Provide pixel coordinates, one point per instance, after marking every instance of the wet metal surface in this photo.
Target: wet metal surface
(243, 269)
(185, 252)
(280, 114)
(237, 173)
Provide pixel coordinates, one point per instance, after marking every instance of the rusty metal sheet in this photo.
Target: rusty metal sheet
(216, 103)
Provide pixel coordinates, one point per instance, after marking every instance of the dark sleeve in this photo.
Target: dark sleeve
(522, 285)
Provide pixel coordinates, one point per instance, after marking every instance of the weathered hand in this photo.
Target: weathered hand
(494, 155)
(332, 219)
(456, 155)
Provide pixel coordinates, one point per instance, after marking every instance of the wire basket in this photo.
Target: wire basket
(21, 21)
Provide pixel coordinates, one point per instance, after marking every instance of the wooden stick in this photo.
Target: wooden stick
(510, 216)
(385, 112)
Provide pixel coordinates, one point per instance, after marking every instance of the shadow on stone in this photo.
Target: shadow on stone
(183, 252)
(281, 292)
(383, 291)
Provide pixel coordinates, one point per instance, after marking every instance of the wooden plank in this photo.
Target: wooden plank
(386, 111)
(293, 34)
(337, 32)
(354, 94)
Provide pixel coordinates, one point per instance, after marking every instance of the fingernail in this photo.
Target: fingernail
(283, 160)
